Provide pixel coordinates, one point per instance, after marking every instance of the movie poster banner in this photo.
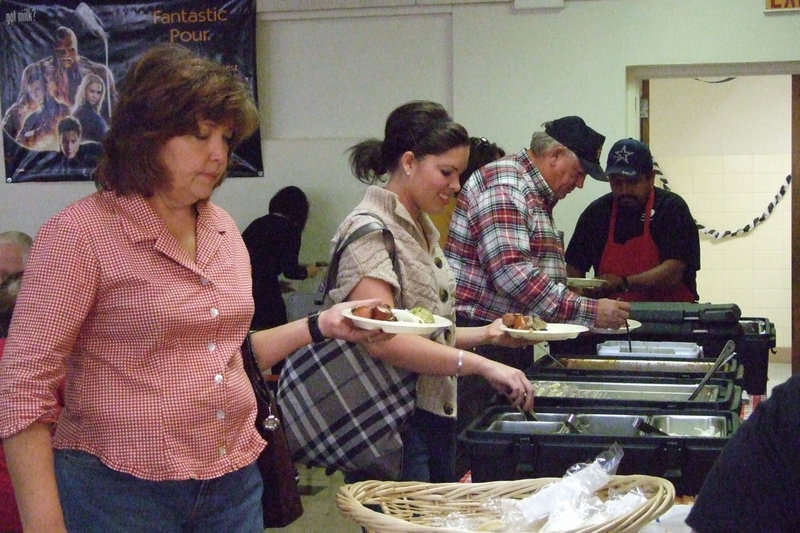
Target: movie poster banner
(61, 62)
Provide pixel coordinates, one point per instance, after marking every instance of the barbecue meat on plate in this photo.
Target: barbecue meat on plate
(520, 321)
(375, 312)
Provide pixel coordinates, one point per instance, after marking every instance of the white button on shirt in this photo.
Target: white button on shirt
(214, 312)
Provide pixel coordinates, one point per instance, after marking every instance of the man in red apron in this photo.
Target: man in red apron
(641, 239)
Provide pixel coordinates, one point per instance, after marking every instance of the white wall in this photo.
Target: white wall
(326, 81)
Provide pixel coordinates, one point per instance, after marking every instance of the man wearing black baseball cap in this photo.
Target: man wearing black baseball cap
(506, 253)
(640, 239)
(573, 133)
(503, 247)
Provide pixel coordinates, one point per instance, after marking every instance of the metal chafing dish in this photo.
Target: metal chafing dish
(663, 393)
(618, 390)
(602, 366)
(650, 349)
(622, 390)
(613, 424)
(709, 326)
(502, 444)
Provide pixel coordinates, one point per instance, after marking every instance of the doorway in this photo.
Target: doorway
(718, 184)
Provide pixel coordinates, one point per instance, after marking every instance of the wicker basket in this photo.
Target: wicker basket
(409, 506)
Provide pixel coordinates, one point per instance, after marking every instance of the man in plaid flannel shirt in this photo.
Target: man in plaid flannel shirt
(504, 249)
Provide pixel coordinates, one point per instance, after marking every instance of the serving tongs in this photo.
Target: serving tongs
(628, 334)
(571, 425)
(555, 359)
(648, 428)
(727, 353)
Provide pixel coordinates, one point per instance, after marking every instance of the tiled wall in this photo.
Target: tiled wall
(726, 193)
(725, 148)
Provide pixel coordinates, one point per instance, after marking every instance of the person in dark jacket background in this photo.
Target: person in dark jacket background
(273, 241)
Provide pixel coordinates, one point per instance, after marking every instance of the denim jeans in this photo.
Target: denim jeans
(429, 448)
(475, 394)
(96, 498)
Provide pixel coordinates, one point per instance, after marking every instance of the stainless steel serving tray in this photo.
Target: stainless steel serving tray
(643, 365)
(594, 367)
(503, 444)
(652, 392)
(612, 424)
(621, 390)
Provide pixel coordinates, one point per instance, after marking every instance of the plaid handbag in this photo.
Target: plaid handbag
(341, 407)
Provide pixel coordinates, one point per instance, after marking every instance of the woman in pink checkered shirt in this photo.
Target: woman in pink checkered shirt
(141, 295)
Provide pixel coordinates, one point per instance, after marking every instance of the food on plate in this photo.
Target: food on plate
(520, 321)
(363, 311)
(416, 315)
(405, 315)
(423, 314)
(383, 312)
(375, 312)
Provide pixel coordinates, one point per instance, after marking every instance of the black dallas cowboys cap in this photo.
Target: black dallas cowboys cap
(586, 143)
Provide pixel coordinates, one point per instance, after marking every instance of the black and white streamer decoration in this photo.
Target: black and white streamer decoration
(717, 234)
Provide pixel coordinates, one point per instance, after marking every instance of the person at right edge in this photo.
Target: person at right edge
(642, 240)
(754, 483)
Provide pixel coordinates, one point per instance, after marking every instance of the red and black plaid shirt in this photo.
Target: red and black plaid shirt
(504, 250)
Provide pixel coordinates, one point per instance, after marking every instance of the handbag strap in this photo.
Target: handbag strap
(369, 227)
(261, 389)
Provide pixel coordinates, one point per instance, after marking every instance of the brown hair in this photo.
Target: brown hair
(166, 93)
(420, 126)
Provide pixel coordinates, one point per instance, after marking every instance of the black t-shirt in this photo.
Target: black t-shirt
(672, 227)
(755, 483)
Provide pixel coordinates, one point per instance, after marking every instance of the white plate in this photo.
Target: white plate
(401, 327)
(585, 283)
(632, 325)
(554, 332)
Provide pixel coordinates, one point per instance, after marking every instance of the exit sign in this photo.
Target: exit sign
(782, 5)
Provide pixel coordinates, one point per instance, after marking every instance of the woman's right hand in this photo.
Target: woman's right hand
(510, 381)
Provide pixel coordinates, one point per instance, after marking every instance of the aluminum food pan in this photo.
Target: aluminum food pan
(527, 427)
(650, 369)
(636, 391)
(656, 349)
(611, 424)
(690, 425)
(641, 365)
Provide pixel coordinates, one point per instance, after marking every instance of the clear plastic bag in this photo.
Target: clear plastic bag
(567, 496)
(568, 504)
